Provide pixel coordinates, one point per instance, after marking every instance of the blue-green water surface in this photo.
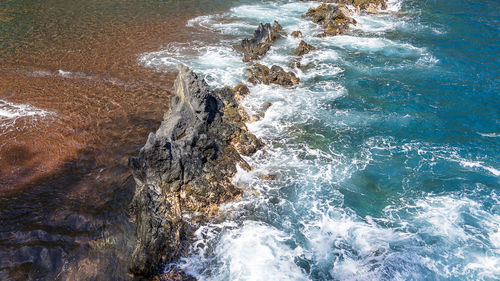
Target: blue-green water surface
(386, 155)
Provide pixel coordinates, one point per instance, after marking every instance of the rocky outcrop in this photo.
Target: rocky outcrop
(304, 48)
(369, 6)
(263, 38)
(185, 168)
(334, 18)
(259, 73)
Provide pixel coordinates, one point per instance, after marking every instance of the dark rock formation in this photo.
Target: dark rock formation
(304, 48)
(259, 73)
(335, 19)
(186, 168)
(296, 34)
(263, 38)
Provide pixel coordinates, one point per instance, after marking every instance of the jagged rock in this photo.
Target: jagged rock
(296, 34)
(334, 18)
(186, 168)
(259, 73)
(263, 38)
(304, 48)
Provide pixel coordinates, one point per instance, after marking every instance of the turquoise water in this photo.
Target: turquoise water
(386, 155)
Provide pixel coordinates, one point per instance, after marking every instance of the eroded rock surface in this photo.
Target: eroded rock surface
(263, 38)
(304, 48)
(334, 18)
(185, 168)
(259, 73)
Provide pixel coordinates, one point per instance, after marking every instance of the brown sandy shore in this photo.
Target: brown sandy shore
(64, 184)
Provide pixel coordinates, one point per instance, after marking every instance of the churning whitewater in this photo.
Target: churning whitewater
(370, 171)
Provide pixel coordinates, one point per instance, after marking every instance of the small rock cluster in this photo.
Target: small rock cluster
(259, 73)
(336, 19)
(256, 47)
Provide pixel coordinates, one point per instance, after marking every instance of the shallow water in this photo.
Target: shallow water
(74, 104)
(387, 153)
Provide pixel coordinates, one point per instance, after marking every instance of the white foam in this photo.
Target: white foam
(375, 23)
(166, 59)
(12, 113)
(64, 73)
(374, 44)
(204, 21)
(490, 135)
(478, 164)
(219, 64)
(257, 251)
(285, 14)
(446, 216)
(9, 110)
(487, 267)
(394, 5)
(431, 153)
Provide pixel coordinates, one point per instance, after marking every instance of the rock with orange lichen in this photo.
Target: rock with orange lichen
(336, 19)
(186, 167)
(259, 73)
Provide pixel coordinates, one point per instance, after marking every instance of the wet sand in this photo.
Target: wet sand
(64, 184)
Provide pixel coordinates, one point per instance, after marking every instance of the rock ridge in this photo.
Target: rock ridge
(185, 168)
(336, 19)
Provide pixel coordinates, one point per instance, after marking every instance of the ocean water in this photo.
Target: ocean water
(386, 156)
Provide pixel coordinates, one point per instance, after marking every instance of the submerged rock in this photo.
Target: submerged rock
(334, 18)
(301, 50)
(296, 34)
(304, 48)
(185, 168)
(259, 73)
(263, 38)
